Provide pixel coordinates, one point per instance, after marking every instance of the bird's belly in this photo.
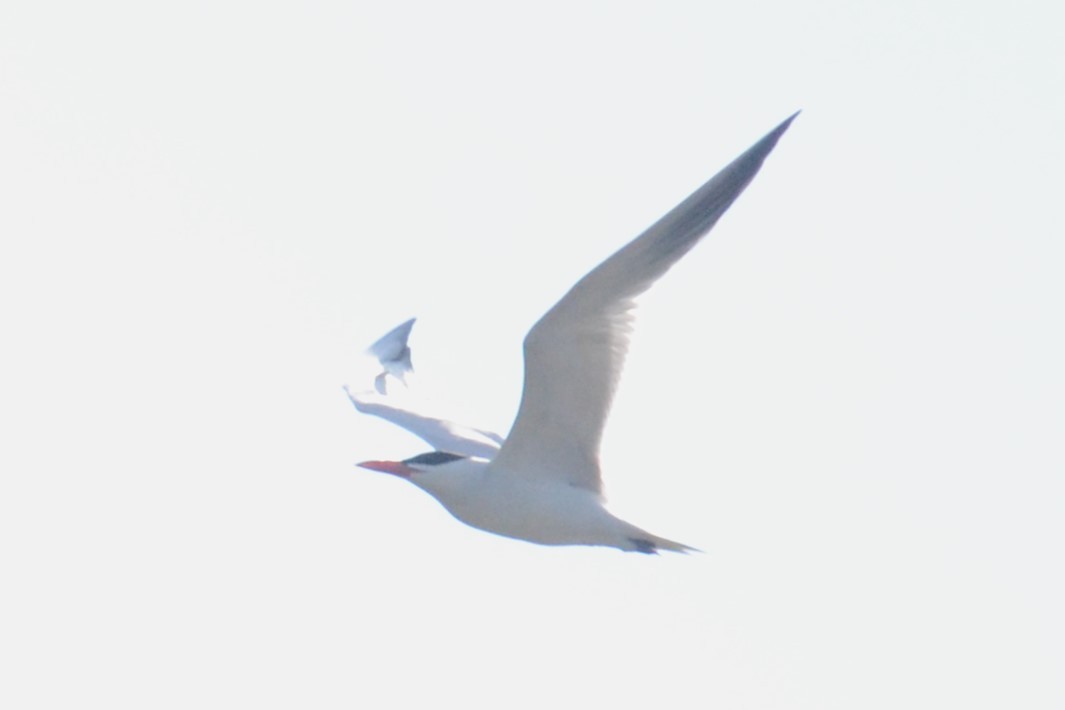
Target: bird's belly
(549, 515)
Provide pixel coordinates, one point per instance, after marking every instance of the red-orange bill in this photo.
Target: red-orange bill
(396, 468)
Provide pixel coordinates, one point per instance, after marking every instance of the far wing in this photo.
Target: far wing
(574, 354)
(441, 434)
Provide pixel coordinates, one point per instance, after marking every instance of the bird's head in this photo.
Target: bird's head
(434, 471)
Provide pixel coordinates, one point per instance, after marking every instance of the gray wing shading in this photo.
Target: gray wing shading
(574, 354)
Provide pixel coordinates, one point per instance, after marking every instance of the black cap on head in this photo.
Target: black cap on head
(433, 458)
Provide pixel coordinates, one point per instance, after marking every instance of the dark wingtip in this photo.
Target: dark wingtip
(787, 122)
(769, 141)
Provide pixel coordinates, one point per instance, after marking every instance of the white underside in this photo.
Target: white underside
(544, 513)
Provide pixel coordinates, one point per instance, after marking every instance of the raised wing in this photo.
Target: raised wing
(441, 434)
(392, 352)
(392, 344)
(575, 352)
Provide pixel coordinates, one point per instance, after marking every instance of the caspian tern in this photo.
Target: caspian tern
(392, 352)
(544, 485)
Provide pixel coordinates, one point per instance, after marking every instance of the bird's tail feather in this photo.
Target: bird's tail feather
(651, 544)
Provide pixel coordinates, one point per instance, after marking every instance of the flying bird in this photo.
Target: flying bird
(544, 484)
(392, 352)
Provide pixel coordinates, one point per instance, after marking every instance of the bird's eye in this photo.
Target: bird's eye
(433, 458)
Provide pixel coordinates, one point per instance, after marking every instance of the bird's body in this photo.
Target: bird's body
(539, 511)
(544, 485)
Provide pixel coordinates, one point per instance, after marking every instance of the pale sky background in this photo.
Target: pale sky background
(850, 395)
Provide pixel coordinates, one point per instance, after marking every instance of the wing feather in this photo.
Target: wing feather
(575, 352)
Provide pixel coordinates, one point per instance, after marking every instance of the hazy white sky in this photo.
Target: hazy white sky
(850, 395)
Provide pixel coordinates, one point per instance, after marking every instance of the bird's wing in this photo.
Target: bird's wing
(575, 352)
(380, 383)
(441, 434)
(393, 344)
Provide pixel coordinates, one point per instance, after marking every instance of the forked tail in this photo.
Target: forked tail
(650, 545)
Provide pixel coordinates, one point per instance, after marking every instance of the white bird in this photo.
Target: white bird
(544, 485)
(441, 434)
(392, 352)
